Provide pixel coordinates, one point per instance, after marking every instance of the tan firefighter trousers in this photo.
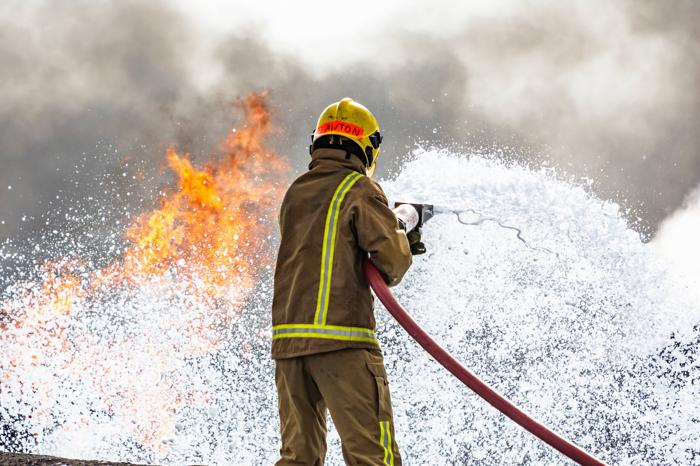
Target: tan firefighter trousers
(352, 385)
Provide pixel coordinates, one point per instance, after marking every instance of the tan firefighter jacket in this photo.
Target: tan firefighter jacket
(331, 217)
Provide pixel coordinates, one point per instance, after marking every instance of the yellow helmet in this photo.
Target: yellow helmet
(356, 127)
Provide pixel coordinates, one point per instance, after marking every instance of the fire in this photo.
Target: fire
(211, 232)
(214, 219)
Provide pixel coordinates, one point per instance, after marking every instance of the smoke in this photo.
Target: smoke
(94, 92)
(611, 91)
(85, 86)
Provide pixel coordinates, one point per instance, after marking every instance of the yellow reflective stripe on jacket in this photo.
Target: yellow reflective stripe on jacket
(328, 250)
(385, 441)
(332, 332)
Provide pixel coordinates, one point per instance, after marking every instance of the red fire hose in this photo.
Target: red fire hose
(468, 378)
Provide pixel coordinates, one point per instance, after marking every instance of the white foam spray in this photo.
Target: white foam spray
(579, 324)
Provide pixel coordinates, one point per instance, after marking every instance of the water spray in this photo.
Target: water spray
(416, 215)
(413, 216)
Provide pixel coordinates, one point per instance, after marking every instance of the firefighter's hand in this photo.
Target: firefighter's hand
(414, 240)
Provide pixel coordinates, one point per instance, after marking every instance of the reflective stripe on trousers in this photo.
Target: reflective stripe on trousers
(385, 441)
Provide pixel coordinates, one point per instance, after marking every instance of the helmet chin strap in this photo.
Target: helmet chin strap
(370, 169)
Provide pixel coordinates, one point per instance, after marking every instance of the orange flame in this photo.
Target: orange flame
(208, 223)
(211, 231)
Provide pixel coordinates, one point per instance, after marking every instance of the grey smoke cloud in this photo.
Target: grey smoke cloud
(611, 91)
(608, 92)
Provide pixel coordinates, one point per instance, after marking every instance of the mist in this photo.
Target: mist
(93, 93)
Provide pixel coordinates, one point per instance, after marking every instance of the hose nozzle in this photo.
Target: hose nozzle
(412, 216)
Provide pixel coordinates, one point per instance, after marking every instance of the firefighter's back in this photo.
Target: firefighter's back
(322, 301)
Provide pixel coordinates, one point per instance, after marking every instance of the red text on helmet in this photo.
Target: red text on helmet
(337, 126)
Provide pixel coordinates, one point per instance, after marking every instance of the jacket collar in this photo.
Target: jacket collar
(336, 158)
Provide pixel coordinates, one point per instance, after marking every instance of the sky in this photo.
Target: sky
(606, 92)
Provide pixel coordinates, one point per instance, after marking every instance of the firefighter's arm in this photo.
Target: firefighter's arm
(377, 232)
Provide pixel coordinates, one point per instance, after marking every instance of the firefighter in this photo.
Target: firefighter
(323, 334)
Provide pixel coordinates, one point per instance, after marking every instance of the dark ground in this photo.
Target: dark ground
(16, 459)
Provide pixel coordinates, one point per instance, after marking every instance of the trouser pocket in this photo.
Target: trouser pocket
(383, 398)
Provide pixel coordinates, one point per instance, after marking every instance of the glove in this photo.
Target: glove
(417, 246)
